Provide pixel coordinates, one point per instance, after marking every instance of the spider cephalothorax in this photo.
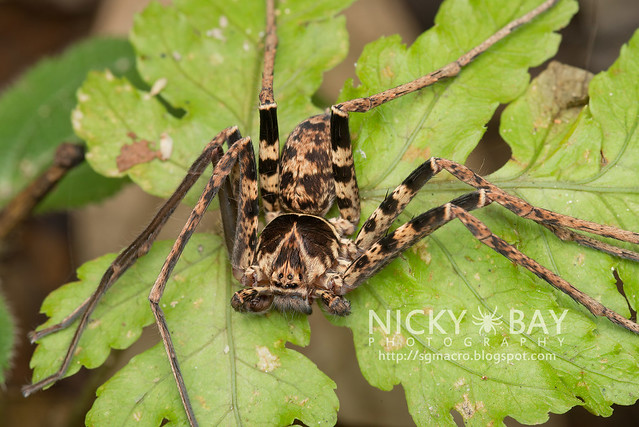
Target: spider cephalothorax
(297, 259)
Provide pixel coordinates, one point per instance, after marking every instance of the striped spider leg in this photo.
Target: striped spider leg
(241, 152)
(139, 247)
(379, 248)
(212, 154)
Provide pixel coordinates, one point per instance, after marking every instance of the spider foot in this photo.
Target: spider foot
(250, 300)
(340, 306)
(335, 304)
(36, 335)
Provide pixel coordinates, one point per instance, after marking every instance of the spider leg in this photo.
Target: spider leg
(361, 105)
(269, 133)
(346, 189)
(377, 224)
(127, 257)
(557, 223)
(572, 236)
(394, 203)
(228, 202)
(385, 249)
(485, 236)
(388, 247)
(245, 235)
(347, 192)
(242, 150)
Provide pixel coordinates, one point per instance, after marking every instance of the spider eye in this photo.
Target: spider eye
(279, 276)
(290, 276)
(300, 276)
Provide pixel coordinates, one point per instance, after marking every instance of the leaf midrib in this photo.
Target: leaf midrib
(231, 342)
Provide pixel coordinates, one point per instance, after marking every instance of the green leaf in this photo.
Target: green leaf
(35, 114)
(237, 367)
(577, 161)
(196, 52)
(448, 119)
(243, 370)
(207, 59)
(7, 338)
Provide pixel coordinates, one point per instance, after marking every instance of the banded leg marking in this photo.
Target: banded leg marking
(269, 164)
(390, 246)
(269, 132)
(393, 205)
(346, 189)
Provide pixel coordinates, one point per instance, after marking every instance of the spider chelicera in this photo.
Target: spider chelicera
(301, 257)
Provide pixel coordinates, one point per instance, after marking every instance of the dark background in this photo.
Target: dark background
(45, 251)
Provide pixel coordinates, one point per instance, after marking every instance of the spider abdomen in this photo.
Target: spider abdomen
(306, 177)
(294, 249)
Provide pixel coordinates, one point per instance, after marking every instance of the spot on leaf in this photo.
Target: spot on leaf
(467, 409)
(393, 342)
(136, 153)
(267, 361)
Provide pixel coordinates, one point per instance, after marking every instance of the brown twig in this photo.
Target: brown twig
(67, 156)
